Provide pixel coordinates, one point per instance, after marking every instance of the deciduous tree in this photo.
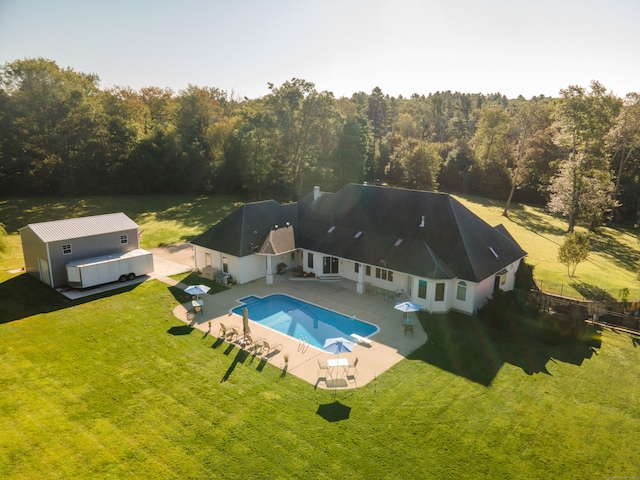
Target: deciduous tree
(574, 250)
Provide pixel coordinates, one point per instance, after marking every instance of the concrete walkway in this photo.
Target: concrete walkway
(388, 347)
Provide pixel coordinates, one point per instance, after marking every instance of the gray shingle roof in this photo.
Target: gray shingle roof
(454, 242)
(245, 230)
(82, 227)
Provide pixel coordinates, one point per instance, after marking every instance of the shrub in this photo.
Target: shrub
(500, 307)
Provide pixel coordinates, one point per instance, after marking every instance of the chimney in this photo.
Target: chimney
(422, 223)
(316, 193)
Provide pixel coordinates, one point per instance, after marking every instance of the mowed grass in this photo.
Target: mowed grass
(116, 387)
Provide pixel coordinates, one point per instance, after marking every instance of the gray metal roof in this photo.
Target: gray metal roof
(82, 227)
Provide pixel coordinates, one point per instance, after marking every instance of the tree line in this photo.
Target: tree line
(61, 134)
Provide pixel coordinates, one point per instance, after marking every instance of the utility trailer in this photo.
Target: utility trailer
(90, 272)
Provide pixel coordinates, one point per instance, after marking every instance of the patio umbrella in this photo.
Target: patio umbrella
(407, 307)
(338, 345)
(197, 290)
(245, 321)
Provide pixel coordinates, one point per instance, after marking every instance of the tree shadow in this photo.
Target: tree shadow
(591, 292)
(610, 246)
(468, 347)
(194, 211)
(535, 221)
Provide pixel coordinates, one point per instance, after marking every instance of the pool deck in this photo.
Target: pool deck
(389, 346)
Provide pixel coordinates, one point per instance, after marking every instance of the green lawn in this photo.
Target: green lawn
(116, 387)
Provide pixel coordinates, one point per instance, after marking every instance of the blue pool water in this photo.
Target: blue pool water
(298, 319)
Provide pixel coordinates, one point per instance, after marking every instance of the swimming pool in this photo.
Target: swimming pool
(297, 319)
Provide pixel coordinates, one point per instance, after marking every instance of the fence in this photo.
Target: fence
(583, 291)
(607, 312)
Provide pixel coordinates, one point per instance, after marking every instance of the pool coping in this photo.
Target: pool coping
(241, 303)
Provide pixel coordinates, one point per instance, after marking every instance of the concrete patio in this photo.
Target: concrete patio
(388, 347)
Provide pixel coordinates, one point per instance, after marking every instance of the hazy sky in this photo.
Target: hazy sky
(514, 47)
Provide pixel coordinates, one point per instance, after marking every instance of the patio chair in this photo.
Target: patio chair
(352, 366)
(322, 366)
(228, 333)
(264, 345)
(408, 327)
(246, 342)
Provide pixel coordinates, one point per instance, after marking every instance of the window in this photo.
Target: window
(439, 292)
(461, 294)
(503, 279)
(398, 242)
(225, 264)
(124, 239)
(207, 259)
(331, 229)
(367, 271)
(310, 260)
(357, 235)
(356, 267)
(383, 274)
(422, 289)
(66, 249)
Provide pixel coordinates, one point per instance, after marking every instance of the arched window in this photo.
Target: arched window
(462, 292)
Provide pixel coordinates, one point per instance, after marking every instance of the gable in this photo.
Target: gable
(245, 230)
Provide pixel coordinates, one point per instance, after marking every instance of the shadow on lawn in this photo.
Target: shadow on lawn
(469, 348)
(240, 357)
(23, 296)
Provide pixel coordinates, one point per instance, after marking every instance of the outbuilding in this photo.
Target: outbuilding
(49, 246)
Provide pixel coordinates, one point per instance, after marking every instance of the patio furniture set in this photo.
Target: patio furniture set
(338, 368)
(260, 347)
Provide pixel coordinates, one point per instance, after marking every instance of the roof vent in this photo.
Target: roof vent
(493, 252)
(316, 193)
(422, 223)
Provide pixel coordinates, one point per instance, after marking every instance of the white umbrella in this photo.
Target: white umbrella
(407, 307)
(197, 290)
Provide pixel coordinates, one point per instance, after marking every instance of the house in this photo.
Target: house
(424, 244)
(49, 246)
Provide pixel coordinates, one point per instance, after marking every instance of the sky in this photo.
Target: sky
(512, 47)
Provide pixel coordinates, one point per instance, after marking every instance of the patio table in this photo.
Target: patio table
(197, 305)
(334, 363)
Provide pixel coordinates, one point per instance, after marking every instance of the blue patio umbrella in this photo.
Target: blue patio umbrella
(338, 345)
(407, 307)
(197, 289)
